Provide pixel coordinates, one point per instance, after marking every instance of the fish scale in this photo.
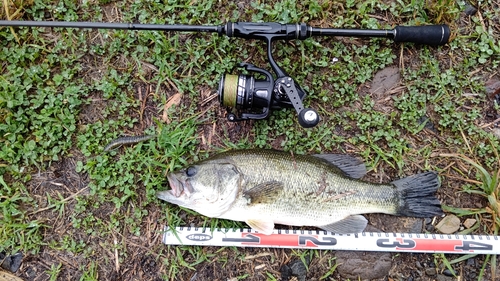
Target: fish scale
(267, 187)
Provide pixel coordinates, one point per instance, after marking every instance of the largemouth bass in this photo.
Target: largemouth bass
(267, 187)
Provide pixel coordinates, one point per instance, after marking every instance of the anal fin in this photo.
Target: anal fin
(262, 226)
(350, 224)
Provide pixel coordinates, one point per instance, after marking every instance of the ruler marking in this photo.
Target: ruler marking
(310, 239)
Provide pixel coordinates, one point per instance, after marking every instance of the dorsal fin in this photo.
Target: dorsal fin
(351, 166)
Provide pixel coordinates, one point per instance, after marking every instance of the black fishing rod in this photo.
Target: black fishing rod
(253, 98)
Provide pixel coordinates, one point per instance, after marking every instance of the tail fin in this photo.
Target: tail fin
(417, 197)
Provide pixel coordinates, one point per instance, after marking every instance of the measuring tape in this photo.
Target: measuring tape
(323, 240)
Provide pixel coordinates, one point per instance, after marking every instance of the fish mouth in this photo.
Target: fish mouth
(178, 187)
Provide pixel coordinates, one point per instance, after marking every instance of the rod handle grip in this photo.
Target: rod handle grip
(428, 34)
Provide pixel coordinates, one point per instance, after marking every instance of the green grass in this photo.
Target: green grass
(17, 231)
(66, 93)
(488, 186)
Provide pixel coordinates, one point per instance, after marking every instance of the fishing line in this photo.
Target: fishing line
(230, 86)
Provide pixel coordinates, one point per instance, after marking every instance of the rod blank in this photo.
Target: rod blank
(110, 25)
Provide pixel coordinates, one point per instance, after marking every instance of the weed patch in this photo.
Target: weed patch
(18, 232)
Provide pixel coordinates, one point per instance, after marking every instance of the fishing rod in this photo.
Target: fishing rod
(254, 97)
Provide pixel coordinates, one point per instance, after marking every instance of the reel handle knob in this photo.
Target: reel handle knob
(231, 117)
(308, 118)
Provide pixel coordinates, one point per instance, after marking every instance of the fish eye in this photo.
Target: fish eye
(191, 171)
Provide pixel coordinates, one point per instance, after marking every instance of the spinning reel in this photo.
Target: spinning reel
(259, 96)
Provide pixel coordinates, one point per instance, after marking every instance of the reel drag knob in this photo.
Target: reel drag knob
(308, 118)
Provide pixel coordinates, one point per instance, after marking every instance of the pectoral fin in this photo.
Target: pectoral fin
(351, 224)
(262, 226)
(266, 192)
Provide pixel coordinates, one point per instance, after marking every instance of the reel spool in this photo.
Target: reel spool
(246, 93)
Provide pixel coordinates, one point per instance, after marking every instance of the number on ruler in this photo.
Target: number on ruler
(474, 246)
(327, 241)
(403, 243)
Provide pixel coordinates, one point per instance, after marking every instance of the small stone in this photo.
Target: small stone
(496, 132)
(363, 265)
(427, 123)
(448, 224)
(470, 10)
(448, 272)
(286, 272)
(418, 265)
(385, 80)
(294, 270)
(11, 263)
(492, 88)
(299, 270)
(415, 226)
(441, 277)
(468, 223)
(430, 271)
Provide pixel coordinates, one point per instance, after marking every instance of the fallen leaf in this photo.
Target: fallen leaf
(173, 100)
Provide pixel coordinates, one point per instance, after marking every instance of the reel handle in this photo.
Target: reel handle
(286, 86)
